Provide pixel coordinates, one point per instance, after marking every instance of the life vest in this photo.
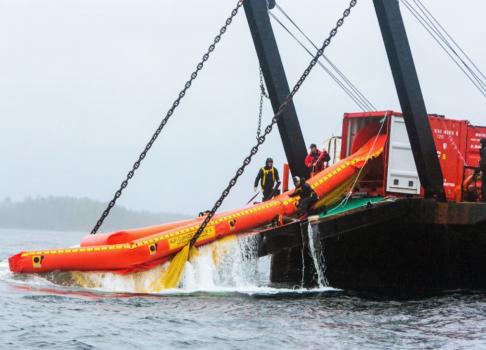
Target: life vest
(265, 173)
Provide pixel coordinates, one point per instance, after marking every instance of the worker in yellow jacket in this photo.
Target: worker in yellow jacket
(268, 179)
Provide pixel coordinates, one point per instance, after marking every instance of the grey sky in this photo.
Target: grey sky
(84, 83)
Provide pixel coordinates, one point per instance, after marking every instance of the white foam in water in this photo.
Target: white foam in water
(229, 265)
(224, 266)
(30, 280)
(4, 270)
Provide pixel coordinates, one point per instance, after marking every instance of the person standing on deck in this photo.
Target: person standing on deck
(316, 159)
(482, 168)
(269, 180)
(308, 197)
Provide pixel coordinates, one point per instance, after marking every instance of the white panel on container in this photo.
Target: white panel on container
(402, 176)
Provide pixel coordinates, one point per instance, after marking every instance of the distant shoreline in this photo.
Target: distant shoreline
(56, 213)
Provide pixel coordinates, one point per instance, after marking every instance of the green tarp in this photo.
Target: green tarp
(352, 203)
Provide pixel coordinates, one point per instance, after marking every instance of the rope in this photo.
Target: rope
(451, 140)
(350, 193)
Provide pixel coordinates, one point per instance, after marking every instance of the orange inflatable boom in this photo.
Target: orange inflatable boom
(142, 249)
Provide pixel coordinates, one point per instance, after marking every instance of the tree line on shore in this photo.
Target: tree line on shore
(73, 214)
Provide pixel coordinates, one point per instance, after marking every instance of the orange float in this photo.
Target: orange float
(129, 235)
(142, 249)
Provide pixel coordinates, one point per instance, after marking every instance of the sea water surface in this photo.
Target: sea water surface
(226, 303)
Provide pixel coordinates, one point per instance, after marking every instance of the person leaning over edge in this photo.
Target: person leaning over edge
(269, 180)
(308, 197)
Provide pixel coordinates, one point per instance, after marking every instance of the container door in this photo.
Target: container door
(450, 142)
(402, 175)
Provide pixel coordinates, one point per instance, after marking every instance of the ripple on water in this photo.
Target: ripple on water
(237, 309)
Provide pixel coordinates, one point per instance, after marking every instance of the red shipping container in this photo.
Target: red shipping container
(354, 122)
(457, 143)
(474, 136)
(450, 138)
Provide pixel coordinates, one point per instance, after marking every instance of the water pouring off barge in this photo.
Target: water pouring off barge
(402, 205)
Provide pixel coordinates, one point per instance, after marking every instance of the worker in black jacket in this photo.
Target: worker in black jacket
(482, 167)
(308, 197)
(269, 180)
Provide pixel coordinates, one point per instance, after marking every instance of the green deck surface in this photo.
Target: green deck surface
(352, 203)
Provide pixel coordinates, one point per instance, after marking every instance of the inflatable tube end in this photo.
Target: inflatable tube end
(14, 263)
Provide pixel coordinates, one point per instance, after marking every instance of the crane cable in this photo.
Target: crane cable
(352, 86)
(348, 92)
(444, 43)
(421, 14)
(452, 44)
(421, 4)
(169, 113)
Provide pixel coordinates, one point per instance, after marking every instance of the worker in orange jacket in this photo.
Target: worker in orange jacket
(316, 160)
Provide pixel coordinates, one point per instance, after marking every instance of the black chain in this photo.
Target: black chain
(170, 112)
(270, 126)
(263, 95)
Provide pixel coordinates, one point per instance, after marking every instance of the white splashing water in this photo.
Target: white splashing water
(232, 264)
(228, 265)
(302, 255)
(317, 257)
(4, 271)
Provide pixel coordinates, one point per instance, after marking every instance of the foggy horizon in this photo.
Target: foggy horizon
(85, 83)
